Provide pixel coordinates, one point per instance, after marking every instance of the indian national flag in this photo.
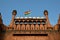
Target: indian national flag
(27, 12)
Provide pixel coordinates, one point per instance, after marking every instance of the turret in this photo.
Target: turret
(59, 23)
(13, 16)
(1, 22)
(59, 19)
(48, 23)
(57, 26)
(46, 15)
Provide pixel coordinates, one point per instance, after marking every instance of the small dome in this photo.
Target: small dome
(45, 12)
(30, 17)
(17, 17)
(25, 17)
(14, 12)
(38, 17)
(34, 17)
(42, 17)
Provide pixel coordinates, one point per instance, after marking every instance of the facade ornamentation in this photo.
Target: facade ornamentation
(29, 28)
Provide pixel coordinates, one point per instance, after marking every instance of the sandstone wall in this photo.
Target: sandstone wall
(51, 36)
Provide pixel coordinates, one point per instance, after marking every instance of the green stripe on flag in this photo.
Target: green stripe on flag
(27, 12)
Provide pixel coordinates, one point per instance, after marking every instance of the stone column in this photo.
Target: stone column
(32, 26)
(36, 26)
(18, 27)
(14, 27)
(48, 22)
(41, 26)
(22, 26)
(27, 27)
(13, 16)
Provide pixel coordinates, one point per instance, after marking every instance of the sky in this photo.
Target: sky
(36, 6)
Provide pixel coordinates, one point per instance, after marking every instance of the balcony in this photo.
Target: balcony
(32, 31)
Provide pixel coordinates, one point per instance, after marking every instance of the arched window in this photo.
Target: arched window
(16, 22)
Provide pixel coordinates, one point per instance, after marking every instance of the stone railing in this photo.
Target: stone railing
(32, 31)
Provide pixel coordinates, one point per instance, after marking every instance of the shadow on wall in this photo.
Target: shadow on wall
(2, 32)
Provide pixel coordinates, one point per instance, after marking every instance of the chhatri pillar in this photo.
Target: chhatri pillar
(22, 26)
(27, 27)
(32, 26)
(13, 17)
(47, 22)
(18, 26)
(41, 26)
(36, 26)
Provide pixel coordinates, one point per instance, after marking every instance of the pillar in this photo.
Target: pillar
(13, 16)
(47, 22)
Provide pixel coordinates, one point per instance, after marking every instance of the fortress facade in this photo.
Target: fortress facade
(29, 28)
